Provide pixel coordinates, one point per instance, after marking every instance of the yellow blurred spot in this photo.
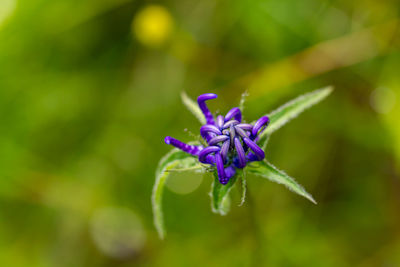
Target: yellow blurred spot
(389, 107)
(7, 7)
(383, 100)
(153, 25)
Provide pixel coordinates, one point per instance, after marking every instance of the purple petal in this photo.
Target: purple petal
(229, 123)
(206, 129)
(220, 121)
(251, 157)
(234, 112)
(194, 150)
(223, 181)
(240, 152)
(206, 151)
(220, 169)
(245, 126)
(217, 139)
(232, 133)
(225, 149)
(229, 172)
(207, 114)
(256, 149)
(241, 132)
(258, 125)
(210, 159)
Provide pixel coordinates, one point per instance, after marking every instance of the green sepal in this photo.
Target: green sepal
(220, 199)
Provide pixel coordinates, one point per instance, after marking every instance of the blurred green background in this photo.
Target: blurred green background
(89, 89)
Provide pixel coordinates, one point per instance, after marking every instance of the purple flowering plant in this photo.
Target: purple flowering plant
(229, 147)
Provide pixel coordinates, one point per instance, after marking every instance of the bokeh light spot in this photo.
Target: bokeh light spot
(184, 183)
(7, 7)
(383, 100)
(117, 232)
(153, 25)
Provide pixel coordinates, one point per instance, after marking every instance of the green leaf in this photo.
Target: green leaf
(175, 160)
(243, 97)
(193, 107)
(244, 187)
(265, 142)
(267, 170)
(292, 109)
(193, 168)
(220, 200)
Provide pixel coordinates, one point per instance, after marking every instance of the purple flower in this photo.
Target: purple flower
(231, 143)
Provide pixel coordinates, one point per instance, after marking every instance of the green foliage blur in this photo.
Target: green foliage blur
(89, 89)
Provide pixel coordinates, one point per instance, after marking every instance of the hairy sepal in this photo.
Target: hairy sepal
(220, 199)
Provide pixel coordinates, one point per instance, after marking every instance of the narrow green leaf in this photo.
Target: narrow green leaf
(243, 97)
(244, 187)
(174, 160)
(193, 168)
(292, 109)
(193, 107)
(220, 200)
(267, 170)
(265, 142)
